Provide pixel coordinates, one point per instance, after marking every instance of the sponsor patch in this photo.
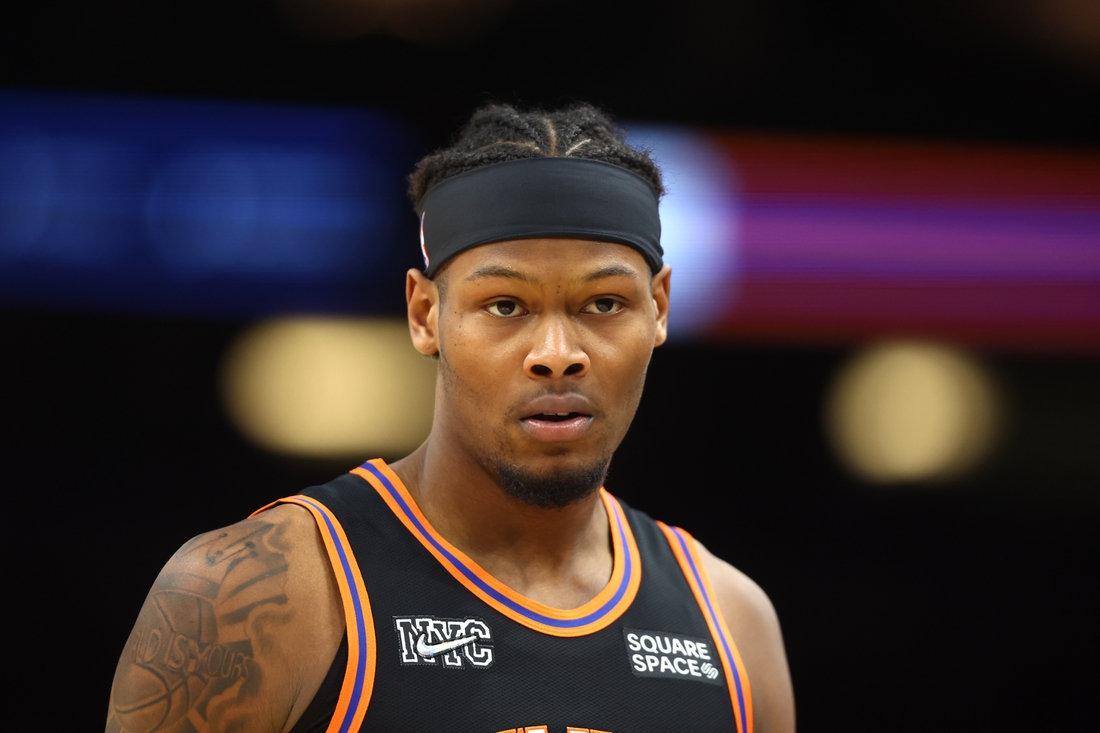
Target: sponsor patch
(452, 643)
(674, 656)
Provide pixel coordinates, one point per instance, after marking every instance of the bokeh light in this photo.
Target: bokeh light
(699, 224)
(196, 207)
(327, 387)
(909, 411)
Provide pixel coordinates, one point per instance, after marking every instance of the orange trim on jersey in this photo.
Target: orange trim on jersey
(355, 692)
(687, 555)
(593, 616)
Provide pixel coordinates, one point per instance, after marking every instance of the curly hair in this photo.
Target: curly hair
(500, 132)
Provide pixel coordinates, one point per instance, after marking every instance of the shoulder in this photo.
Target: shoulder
(753, 622)
(236, 633)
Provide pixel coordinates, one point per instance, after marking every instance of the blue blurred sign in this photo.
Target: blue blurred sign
(200, 208)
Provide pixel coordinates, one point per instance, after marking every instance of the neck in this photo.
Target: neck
(558, 557)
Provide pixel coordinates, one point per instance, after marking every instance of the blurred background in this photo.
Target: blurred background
(882, 395)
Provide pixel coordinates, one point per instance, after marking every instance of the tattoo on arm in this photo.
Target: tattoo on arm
(194, 659)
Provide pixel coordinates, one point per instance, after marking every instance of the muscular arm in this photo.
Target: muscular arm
(236, 633)
(755, 627)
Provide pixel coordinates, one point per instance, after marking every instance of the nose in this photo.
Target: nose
(556, 351)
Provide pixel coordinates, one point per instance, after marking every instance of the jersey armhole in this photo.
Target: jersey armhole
(318, 714)
(358, 684)
(687, 555)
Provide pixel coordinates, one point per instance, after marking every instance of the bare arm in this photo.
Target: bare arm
(236, 633)
(755, 628)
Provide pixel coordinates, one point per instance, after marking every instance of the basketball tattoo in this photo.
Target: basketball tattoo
(191, 661)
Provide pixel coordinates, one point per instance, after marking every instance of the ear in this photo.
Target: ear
(662, 284)
(422, 298)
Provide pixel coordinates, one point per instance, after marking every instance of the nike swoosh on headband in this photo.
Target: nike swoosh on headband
(424, 649)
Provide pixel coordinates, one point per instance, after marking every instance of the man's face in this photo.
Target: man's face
(543, 350)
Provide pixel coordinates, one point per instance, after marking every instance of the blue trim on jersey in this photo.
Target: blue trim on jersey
(717, 626)
(628, 566)
(360, 626)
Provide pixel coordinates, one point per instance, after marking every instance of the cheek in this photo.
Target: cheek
(476, 367)
(621, 393)
(624, 358)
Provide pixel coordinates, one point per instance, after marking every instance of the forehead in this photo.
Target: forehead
(549, 260)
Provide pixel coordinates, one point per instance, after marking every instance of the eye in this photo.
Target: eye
(505, 309)
(603, 307)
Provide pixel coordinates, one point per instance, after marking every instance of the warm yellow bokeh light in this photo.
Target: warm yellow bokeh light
(912, 411)
(330, 387)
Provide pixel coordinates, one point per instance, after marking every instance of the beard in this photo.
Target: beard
(553, 491)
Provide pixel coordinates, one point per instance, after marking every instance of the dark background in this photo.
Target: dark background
(959, 607)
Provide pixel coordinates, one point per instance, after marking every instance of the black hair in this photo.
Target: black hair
(500, 132)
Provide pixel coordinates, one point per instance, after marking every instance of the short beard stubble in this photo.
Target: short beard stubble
(553, 491)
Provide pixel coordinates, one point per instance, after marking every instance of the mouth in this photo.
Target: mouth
(555, 416)
(552, 427)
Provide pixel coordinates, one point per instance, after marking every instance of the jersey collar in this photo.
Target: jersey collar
(603, 610)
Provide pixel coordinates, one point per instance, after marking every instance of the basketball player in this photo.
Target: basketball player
(485, 582)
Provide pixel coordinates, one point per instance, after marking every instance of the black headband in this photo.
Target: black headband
(533, 198)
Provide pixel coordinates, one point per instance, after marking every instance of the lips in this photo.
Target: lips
(555, 418)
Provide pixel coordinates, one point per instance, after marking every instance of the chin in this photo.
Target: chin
(553, 486)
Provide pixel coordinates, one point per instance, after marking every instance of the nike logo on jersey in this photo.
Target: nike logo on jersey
(444, 642)
(424, 649)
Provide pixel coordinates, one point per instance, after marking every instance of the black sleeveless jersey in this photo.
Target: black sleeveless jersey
(434, 643)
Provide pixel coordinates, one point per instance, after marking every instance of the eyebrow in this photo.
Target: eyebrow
(610, 271)
(501, 271)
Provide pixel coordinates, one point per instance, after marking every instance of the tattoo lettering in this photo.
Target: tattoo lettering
(193, 660)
